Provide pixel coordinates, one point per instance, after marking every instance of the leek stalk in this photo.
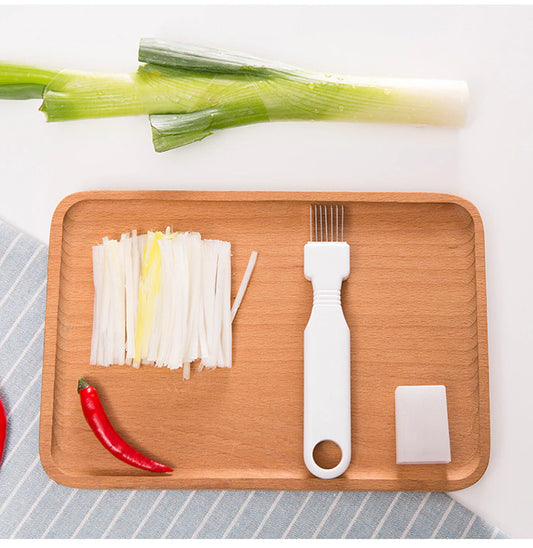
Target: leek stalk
(190, 92)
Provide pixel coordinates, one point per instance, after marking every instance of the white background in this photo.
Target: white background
(490, 162)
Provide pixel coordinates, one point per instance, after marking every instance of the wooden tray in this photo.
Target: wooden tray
(415, 303)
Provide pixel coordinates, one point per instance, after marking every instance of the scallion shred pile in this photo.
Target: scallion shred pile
(162, 298)
(190, 92)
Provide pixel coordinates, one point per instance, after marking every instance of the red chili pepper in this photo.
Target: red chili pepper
(3, 429)
(106, 434)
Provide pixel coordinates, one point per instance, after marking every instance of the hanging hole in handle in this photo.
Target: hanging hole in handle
(327, 454)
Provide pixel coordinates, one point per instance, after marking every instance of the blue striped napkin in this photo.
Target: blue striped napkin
(33, 506)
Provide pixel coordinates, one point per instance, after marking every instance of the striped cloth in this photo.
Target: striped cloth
(33, 506)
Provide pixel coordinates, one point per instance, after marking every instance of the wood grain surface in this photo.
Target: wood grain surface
(415, 302)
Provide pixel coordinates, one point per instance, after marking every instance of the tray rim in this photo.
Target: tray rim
(152, 482)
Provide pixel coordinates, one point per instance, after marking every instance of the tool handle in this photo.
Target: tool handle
(327, 409)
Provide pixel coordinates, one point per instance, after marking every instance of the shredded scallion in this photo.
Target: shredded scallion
(163, 299)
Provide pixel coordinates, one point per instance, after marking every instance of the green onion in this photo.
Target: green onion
(191, 92)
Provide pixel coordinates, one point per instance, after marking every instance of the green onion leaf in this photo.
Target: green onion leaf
(23, 81)
(205, 59)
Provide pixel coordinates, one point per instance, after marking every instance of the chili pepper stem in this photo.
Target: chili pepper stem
(82, 383)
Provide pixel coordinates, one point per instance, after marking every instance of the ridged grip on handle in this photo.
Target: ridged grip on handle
(327, 406)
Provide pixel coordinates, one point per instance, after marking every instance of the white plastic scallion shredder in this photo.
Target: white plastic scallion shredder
(327, 405)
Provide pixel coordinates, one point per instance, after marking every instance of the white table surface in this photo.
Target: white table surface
(490, 162)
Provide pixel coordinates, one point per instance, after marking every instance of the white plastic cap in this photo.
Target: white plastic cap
(422, 434)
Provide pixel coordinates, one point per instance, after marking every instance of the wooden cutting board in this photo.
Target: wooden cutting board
(415, 302)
